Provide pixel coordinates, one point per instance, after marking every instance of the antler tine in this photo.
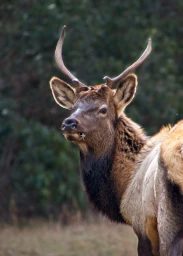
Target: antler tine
(60, 63)
(111, 81)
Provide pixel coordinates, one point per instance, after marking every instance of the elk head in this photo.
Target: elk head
(94, 109)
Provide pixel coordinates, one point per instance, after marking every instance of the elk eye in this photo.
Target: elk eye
(103, 110)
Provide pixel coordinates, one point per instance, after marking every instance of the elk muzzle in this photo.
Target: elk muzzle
(69, 125)
(71, 129)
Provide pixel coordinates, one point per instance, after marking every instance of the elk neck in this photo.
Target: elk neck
(107, 176)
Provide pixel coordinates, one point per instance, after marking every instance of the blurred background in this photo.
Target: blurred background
(39, 169)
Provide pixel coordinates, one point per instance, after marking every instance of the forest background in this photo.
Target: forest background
(39, 169)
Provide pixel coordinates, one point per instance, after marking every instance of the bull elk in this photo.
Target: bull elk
(128, 177)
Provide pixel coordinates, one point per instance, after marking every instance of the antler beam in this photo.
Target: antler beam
(112, 81)
(60, 63)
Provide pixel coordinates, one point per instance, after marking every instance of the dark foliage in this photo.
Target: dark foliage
(38, 168)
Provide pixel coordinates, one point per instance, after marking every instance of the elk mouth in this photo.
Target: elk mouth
(74, 135)
(81, 135)
(72, 132)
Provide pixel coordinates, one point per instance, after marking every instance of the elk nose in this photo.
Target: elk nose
(69, 124)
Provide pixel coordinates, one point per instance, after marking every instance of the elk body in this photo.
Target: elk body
(128, 177)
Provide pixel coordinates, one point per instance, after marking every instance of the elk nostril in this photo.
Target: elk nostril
(73, 126)
(69, 124)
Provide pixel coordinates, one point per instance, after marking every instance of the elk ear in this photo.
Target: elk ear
(125, 92)
(63, 93)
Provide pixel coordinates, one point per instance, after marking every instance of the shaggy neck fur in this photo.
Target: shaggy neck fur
(106, 177)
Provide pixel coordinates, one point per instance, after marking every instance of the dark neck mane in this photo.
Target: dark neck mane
(100, 174)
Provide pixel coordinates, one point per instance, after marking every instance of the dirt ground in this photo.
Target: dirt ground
(97, 238)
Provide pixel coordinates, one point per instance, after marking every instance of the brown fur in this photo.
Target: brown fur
(113, 148)
(172, 154)
(129, 141)
(151, 142)
(125, 174)
(152, 234)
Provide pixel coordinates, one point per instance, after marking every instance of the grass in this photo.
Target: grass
(99, 238)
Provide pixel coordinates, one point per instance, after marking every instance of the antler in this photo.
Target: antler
(60, 63)
(111, 81)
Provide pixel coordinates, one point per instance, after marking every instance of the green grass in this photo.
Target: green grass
(99, 238)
